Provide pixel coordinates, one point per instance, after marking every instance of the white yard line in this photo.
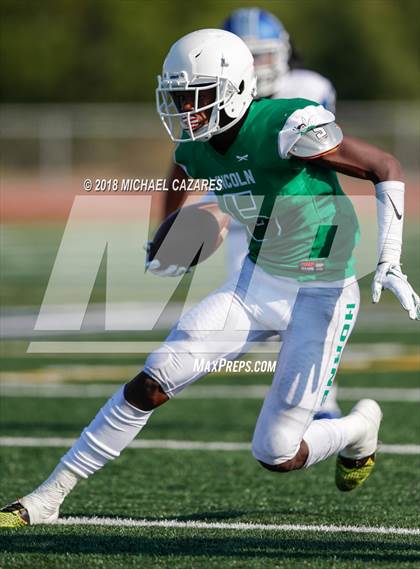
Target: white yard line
(64, 442)
(357, 357)
(393, 394)
(124, 522)
(20, 322)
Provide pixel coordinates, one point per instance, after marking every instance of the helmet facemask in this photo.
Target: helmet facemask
(182, 125)
(203, 63)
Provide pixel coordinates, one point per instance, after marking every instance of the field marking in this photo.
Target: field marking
(134, 348)
(55, 442)
(19, 322)
(392, 394)
(382, 356)
(124, 522)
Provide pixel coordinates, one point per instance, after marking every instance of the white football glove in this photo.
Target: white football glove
(154, 266)
(390, 276)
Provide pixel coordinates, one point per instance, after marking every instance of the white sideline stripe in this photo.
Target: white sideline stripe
(124, 522)
(51, 442)
(134, 348)
(393, 394)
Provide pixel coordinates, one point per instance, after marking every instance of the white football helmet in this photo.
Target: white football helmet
(205, 60)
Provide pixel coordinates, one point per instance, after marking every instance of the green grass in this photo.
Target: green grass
(228, 487)
(207, 486)
(222, 486)
(198, 485)
(173, 549)
(203, 419)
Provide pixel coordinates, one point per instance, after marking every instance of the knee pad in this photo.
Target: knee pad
(279, 430)
(173, 370)
(273, 450)
(277, 435)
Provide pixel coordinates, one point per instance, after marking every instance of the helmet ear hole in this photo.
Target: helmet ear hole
(241, 87)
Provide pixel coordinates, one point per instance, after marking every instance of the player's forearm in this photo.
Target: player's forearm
(366, 161)
(384, 171)
(390, 214)
(359, 159)
(173, 200)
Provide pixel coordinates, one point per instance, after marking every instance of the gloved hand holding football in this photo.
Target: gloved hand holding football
(185, 238)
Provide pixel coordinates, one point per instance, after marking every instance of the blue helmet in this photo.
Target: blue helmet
(268, 41)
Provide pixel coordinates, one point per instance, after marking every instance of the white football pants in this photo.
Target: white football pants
(314, 321)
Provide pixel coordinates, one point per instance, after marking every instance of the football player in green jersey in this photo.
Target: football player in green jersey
(272, 50)
(275, 162)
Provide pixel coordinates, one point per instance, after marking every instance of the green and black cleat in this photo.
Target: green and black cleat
(351, 473)
(14, 516)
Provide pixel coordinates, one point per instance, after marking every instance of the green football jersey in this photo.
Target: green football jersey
(299, 222)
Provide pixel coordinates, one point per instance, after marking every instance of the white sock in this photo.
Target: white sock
(326, 437)
(113, 428)
(44, 503)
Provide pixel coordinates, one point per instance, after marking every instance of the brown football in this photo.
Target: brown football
(189, 235)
